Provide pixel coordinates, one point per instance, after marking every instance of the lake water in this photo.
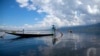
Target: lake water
(70, 44)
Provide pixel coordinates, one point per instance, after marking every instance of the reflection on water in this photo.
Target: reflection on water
(91, 52)
(70, 44)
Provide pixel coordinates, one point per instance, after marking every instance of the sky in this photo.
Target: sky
(45, 13)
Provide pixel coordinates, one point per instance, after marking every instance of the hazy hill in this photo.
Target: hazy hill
(94, 28)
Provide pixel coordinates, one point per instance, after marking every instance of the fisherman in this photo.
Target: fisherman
(53, 29)
(23, 31)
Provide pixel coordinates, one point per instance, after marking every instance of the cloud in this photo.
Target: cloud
(23, 3)
(64, 12)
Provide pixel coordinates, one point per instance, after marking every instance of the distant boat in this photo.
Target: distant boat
(70, 31)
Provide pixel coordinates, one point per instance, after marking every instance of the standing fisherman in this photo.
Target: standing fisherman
(54, 35)
(53, 29)
(23, 31)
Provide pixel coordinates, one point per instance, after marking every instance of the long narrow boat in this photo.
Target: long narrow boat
(30, 35)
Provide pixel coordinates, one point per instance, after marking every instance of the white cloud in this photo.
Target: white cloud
(27, 26)
(64, 12)
(23, 3)
(93, 10)
(79, 2)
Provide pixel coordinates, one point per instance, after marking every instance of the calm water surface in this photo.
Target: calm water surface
(70, 44)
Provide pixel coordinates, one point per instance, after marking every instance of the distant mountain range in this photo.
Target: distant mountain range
(94, 28)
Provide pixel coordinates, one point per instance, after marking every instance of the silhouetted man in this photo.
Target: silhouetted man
(53, 29)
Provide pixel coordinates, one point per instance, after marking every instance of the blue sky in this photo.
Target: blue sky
(45, 13)
(12, 14)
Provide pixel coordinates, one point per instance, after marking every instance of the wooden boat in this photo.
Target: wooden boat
(30, 35)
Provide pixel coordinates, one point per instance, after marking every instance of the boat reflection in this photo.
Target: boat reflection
(21, 38)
